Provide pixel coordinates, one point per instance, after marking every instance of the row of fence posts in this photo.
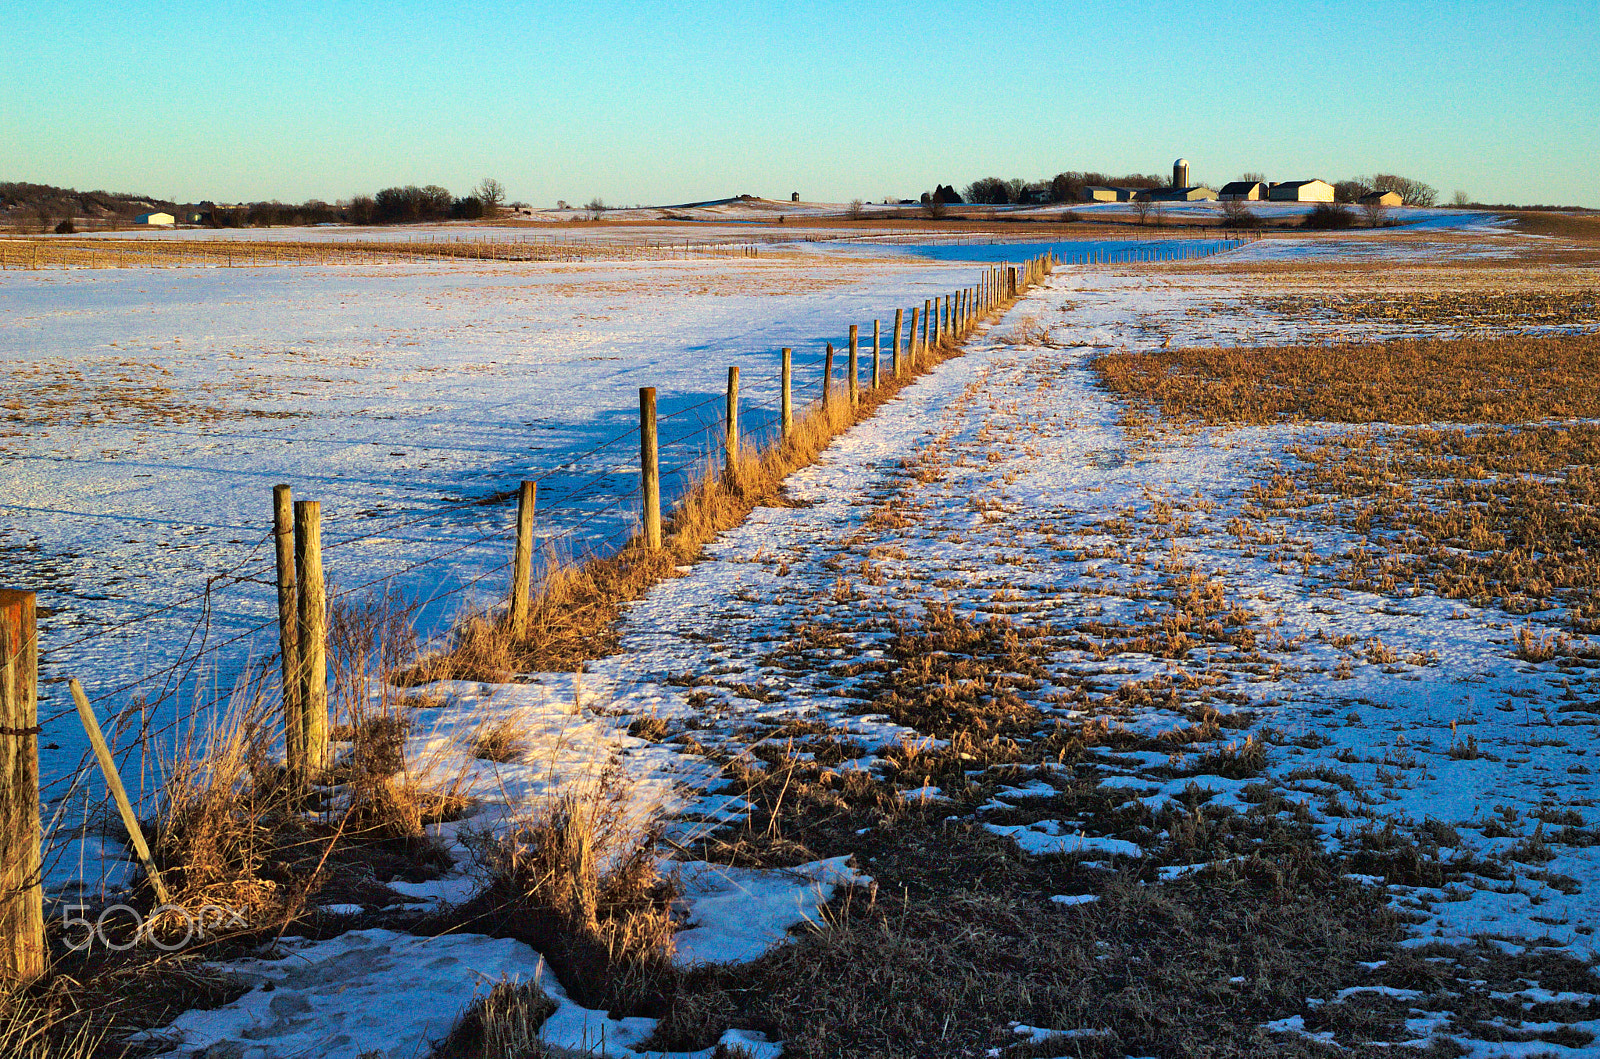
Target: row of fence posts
(937, 325)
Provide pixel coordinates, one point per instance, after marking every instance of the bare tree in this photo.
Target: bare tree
(1141, 209)
(1461, 198)
(41, 210)
(1375, 212)
(492, 194)
(595, 207)
(857, 209)
(1236, 214)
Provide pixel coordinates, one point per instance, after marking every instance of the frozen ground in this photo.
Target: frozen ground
(146, 414)
(1006, 484)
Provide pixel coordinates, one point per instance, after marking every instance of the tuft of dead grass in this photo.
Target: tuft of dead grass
(580, 878)
(502, 1024)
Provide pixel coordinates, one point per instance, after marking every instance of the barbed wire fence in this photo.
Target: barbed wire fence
(76, 844)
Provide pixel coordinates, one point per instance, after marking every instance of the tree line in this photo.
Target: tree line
(1068, 187)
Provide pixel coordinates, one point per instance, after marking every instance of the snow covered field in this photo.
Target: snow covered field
(146, 414)
(1008, 487)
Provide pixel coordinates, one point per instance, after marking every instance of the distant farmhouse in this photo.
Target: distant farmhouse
(1381, 198)
(1301, 191)
(155, 218)
(1243, 191)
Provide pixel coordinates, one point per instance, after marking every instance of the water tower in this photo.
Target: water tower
(1180, 173)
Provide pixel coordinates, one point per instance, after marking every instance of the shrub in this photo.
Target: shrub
(66, 227)
(1330, 215)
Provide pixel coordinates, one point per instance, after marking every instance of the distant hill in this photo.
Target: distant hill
(33, 205)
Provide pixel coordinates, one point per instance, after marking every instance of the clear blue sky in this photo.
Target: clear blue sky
(642, 102)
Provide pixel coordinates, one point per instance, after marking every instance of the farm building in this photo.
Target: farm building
(155, 218)
(1196, 194)
(1301, 191)
(1381, 198)
(1092, 193)
(1242, 191)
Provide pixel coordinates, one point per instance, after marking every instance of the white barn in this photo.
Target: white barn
(1301, 191)
(155, 218)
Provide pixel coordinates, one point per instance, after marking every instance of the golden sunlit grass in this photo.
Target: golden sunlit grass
(1506, 380)
(572, 615)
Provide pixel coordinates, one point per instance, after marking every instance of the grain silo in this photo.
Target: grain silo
(1180, 173)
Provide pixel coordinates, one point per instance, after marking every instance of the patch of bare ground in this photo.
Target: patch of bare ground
(1459, 309)
(1500, 516)
(1505, 380)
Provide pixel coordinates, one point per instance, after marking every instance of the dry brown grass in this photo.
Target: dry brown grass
(1455, 309)
(1503, 516)
(1506, 380)
(502, 1024)
(580, 880)
(573, 613)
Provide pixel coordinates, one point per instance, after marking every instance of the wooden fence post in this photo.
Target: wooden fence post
(22, 949)
(108, 769)
(522, 558)
(313, 607)
(855, 365)
(730, 442)
(787, 405)
(927, 328)
(649, 468)
(288, 627)
(877, 340)
(827, 375)
(894, 356)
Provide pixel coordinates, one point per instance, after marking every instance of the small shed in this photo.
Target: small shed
(1381, 198)
(1242, 191)
(155, 218)
(1301, 191)
(794, 196)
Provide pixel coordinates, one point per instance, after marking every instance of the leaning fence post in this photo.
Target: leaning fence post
(894, 356)
(288, 626)
(855, 371)
(313, 607)
(827, 374)
(649, 468)
(21, 892)
(730, 442)
(787, 406)
(522, 558)
(927, 326)
(119, 794)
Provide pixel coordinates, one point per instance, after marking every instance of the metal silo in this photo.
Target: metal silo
(1180, 173)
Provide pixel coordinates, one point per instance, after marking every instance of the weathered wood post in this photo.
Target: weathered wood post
(119, 794)
(894, 356)
(22, 952)
(522, 558)
(288, 626)
(877, 340)
(730, 443)
(855, 365)
(927, 328)
(649, 468)
(911, 338)
(313, 608)
(827, 375)
(787, 404)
